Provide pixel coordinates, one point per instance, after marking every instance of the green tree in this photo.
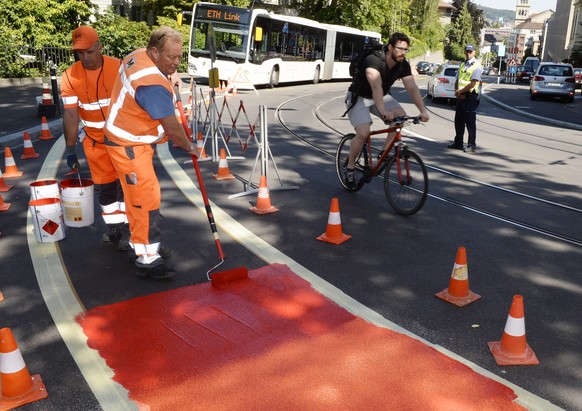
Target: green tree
(119, 35)
(460, 34)
(425, 26)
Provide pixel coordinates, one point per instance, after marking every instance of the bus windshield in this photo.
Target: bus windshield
(231, 28)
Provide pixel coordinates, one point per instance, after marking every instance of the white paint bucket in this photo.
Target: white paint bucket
(77, 198)
(47, 220)
(44, 189)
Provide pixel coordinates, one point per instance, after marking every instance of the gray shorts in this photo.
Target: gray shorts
(360, 113)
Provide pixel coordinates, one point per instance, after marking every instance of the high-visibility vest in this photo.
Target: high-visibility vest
(128, 124)
(465, 75)
(90, 91)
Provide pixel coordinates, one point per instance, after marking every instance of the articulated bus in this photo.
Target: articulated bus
(270, 48)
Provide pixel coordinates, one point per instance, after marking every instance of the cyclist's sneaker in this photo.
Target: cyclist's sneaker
(470, 149)
(455, 146)
(350, 178)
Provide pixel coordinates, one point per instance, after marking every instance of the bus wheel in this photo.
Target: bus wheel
(316, 75)
(274, 78)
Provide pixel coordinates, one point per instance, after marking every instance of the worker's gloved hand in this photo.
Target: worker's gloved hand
(72, 160)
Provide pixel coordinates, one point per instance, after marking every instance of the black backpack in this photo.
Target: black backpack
(354, 70)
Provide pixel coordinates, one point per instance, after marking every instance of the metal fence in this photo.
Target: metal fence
(28, 61)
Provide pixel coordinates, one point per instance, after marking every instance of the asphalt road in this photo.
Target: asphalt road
(393, 265)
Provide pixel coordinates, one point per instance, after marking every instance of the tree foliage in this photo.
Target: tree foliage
(461, 33)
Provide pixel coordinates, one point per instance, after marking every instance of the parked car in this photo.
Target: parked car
(442, 82)
(553, 79)
(578, 77)
(422, 67)
(524, 74)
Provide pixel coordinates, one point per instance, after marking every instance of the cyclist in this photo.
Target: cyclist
(378, 74)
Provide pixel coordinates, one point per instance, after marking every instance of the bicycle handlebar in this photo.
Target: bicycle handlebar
(399, 121)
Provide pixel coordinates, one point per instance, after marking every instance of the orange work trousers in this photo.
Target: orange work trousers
(141, 190)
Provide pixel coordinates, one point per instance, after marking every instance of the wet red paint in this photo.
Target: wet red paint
(272, 342)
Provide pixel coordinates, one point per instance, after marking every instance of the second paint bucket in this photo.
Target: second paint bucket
(44, 189)
(77, 200)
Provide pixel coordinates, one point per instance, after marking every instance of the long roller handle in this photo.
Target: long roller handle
(200, 180)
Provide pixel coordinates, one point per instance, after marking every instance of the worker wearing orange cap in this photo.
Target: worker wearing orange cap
(86, 91)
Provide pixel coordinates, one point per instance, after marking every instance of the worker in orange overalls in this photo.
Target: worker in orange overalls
(141, 116)
(86, 89)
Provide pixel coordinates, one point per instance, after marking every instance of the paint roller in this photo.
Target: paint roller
(221, 277)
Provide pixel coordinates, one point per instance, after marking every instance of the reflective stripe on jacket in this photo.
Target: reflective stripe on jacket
(465, 76)
(129, 124)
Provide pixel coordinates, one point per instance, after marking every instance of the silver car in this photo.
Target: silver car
(441, 84)
(553, 79)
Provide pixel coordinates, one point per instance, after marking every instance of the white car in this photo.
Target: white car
(441, 84)
(553, 80)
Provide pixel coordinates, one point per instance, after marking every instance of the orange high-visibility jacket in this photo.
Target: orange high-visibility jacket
(90, 91)
(128, 124)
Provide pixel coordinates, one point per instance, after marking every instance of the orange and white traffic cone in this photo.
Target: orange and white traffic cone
(3, 186)
(45, 131)
(1, 296)
(263, 205)
(46, 94)
(28, 148)
(333, 233)
(223, 170)
(18, 387)
(200, 147)
(11, 169)
(458, 292)
(513, 348)
(3, 206)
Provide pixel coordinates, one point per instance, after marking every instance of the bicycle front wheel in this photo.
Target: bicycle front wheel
(406, 182)
(341, 162)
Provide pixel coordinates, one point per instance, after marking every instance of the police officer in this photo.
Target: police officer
(467, 94)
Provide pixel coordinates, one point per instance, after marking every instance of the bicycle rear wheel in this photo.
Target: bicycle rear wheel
(406, 191)
(341, 161)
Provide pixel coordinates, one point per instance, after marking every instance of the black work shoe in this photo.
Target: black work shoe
(470, 149)
(112, 235)
(164, 252)
(155, 271)
(455, 146)
(350, 179)
(123, 244)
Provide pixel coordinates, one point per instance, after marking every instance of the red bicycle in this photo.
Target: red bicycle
(405, 175)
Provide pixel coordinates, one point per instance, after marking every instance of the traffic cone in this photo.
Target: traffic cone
(333, 233)
(200, 146)
(458, 292)
(3, 186)
(46, 94)
(28, 148)
(18, 387)
(513, 348)
(1, 296)
(223, 170)
(3, 206)
(263, 205)
(11, 169)
(45, 131)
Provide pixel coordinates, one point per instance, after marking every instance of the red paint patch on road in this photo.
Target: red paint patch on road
(272, 342)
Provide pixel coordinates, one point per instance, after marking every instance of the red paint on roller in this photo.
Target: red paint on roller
(227, 276)
(272, 342)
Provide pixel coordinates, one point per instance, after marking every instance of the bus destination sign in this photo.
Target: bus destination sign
(223, 14)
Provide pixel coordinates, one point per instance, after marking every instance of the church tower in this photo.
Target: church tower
(521, 11)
